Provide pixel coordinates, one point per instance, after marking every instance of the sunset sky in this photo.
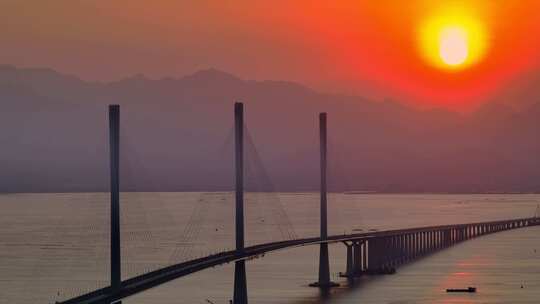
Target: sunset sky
(378, 49)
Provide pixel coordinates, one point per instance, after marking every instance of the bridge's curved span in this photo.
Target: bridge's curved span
(386, 249)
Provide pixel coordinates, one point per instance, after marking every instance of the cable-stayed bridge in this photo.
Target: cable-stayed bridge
(370, 253)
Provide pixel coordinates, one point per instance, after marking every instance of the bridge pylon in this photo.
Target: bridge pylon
(240, 280)
(114, 149)
(324, 264)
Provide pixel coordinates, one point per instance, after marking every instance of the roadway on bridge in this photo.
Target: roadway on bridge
(158, 277)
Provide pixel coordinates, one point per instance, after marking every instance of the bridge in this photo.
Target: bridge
(368, 253)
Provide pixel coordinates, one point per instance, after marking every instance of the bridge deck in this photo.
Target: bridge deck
(155, 278)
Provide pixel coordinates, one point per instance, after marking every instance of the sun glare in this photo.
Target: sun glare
(452, 40)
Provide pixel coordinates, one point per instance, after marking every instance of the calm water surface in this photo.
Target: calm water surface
(55, 246)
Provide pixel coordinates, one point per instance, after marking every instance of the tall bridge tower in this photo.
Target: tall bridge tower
(324, 264)
(114, 150)
(240, 284)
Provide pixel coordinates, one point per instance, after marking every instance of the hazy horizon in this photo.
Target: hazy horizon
(178, 130)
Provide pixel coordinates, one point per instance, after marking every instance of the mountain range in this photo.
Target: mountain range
(176, 135)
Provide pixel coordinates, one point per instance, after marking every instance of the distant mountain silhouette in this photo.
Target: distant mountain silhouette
(176, 135)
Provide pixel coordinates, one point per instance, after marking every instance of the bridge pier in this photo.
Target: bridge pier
(414, 245)
(420, 244)
(391, 251)
(359, 257)
(408, 239)
(445, 238)
(401, 249)
(371, 255)
(349, 269)
(355, 259)
(418, 248)
(363, 248)
(386, 251)
(423, 243)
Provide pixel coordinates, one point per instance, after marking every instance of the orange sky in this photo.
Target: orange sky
(367, 48)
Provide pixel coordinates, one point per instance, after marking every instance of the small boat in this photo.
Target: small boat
(469, 289)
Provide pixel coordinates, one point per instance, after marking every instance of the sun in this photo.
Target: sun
(453, 45)
(452, 40)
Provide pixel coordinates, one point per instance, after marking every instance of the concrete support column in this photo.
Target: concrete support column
(357, 257)
(391, 251)
(383, 251)
(372, 254)
(403, 248)
(395, 249)
(409, 246)
(349, 269)
(424, 242)
(364, 256)
(416, 244)
(419, 244)
(444, 238)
